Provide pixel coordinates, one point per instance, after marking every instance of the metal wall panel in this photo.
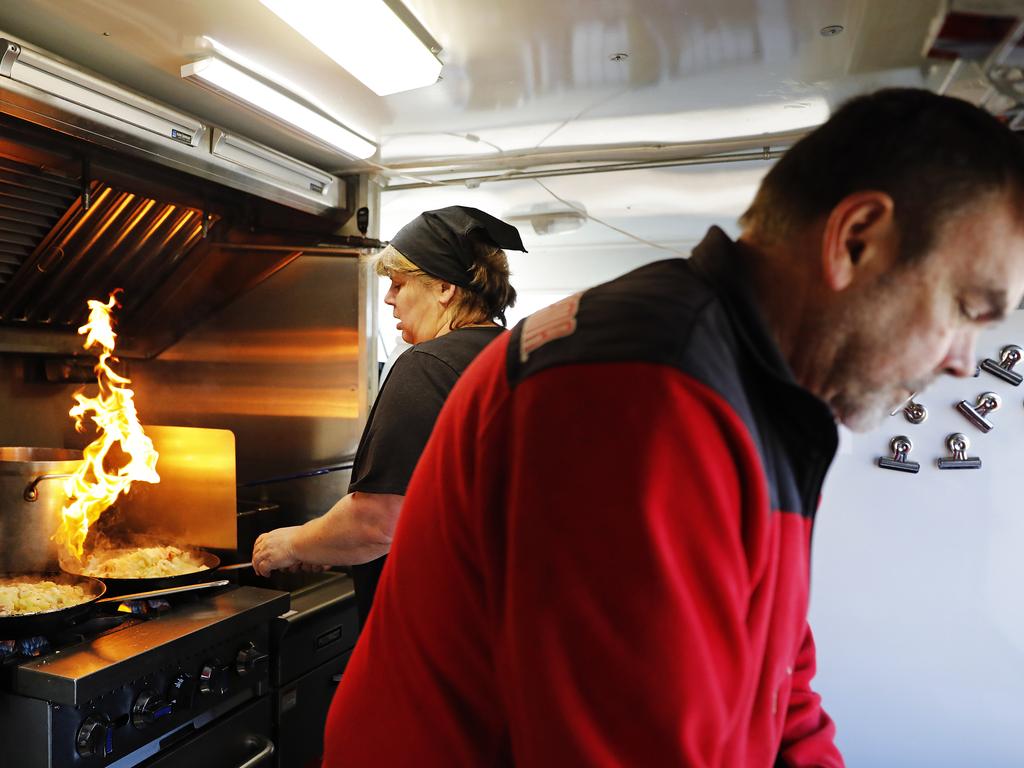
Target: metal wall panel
(284, 368)
(33, 412)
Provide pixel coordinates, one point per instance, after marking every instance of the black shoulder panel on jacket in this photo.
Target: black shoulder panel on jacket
(677, 313)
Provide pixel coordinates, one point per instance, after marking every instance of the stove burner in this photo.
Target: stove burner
(18, 649)
(144, 607)
(27, 647)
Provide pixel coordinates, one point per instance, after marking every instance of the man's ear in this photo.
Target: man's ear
(858, 238)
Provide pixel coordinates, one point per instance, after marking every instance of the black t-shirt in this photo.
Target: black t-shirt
(401, 421)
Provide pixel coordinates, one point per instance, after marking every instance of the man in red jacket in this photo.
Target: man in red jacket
(604, 554)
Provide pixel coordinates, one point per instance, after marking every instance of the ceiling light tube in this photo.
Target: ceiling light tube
(214, 73)
(384, 47)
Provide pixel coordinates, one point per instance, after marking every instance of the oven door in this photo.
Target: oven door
(239, 740)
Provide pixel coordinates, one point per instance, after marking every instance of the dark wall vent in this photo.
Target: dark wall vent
(32, 201)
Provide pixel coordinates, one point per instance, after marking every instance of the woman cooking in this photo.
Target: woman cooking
(449, 291)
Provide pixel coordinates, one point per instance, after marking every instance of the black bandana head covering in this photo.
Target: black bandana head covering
(439, 242)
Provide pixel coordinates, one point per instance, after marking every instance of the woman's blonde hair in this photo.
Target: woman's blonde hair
(489, 294)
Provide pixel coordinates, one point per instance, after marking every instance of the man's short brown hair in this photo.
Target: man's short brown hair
(933, 155)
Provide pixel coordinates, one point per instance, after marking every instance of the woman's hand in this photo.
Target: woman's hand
(356, 530)
(275, 551)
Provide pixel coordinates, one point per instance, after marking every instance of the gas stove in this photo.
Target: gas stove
(157, 689)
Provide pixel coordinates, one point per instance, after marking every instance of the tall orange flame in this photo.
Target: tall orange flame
(96, 485)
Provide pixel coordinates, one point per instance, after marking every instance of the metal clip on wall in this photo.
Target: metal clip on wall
(957, 443)
(913, 412)
(977, 413)
(900, 447)
(1009, 356)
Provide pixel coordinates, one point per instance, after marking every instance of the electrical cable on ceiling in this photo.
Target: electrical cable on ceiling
(580, 114)
(475, 139)
(612, 227)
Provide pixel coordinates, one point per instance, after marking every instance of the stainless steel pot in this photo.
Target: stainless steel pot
(31, 497)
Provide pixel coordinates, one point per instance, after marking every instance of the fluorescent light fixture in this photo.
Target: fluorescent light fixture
(282, 83)
(219, 75)
(368, 38)
(93, 97)
(268, 163)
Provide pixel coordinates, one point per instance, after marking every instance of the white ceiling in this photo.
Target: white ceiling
(522, 78)
(518, 74)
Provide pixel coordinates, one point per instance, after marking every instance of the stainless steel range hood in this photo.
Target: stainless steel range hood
(32, 201)
(46, 90)
(101, 188)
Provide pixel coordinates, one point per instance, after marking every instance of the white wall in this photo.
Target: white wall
(671, 207)
(918, 587)
(917, 584)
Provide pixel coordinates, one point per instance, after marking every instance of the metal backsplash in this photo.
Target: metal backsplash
(286, 367)
(33, 412)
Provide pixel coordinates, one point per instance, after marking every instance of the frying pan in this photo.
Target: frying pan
(118, 586)
(48, 622)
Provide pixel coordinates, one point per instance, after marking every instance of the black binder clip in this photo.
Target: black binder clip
(977, 413)
(1009, 356)
(957, 443)
(900, 447)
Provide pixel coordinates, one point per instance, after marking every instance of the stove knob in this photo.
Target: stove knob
(213, 678)
(95, 737)
(248, 659)
(148, 708)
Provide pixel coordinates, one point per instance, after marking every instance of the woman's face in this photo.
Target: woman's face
(418, 304)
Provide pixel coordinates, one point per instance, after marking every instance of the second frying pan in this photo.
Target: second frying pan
(119, 586)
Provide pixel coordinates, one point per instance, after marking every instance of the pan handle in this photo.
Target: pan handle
(235, 566)
(32, 489)
(163, 592)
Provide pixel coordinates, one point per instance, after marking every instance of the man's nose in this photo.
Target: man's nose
(960, 358)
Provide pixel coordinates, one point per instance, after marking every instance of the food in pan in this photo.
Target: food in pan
(23, 596)
(142, 563)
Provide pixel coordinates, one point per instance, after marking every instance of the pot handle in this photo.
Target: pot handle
(32, 490)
